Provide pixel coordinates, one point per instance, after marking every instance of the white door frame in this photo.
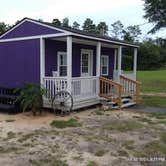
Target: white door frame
(90, 62)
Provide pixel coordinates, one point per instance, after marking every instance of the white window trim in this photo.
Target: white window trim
(90, 63)
(105, 56)
(58, 61)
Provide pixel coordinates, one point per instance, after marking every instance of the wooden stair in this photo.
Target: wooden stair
(8, 100)
(119, 95)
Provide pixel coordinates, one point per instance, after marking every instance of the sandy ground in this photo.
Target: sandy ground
(31, 141)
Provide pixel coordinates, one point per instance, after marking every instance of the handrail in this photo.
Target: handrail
(112, 82)
(130, 87)
(111, 90)
(137, 82)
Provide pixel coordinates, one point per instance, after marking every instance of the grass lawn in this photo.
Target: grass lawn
(152, 81)
(153, 101)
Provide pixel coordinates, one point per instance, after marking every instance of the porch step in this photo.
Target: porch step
(126, 102)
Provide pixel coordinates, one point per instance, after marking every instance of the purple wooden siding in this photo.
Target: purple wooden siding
(29, 29)
(110, 53)
(19, 62)
(52, 47)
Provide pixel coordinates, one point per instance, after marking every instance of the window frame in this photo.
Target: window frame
(58, 60)
(90, 62)
(107, 65)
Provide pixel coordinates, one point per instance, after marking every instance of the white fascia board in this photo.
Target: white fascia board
(105, 40)
(34, 37)
(47, 26)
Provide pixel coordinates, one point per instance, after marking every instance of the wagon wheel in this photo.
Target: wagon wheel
(63, 101)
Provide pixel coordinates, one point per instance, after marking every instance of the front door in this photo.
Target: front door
(86, 62)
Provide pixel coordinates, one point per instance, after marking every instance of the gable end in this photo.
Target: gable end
(28, 28)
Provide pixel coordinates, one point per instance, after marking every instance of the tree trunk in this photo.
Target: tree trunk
(33, 111)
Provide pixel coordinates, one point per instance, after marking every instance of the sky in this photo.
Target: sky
(129, 12)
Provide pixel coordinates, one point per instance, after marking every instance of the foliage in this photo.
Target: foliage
(40, 20)
(92, 163)
(76, 25)
(102, 28)
(56, 22)
(155, 12)
(31, 97)
(117, 29)
(89, 26)
(63, 124)
(65, 22)
(150, 56)
(131, 33)
(3, 27)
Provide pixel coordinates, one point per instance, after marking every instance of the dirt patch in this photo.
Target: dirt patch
(103, 139)
(153, 94)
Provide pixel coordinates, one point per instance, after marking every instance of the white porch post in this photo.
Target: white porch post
(115, 60)
(135, 63)
(69, 63)
(42, 60)
(119, 62)
(98, 59)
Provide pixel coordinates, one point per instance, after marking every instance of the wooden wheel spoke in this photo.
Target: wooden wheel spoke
(63, 101)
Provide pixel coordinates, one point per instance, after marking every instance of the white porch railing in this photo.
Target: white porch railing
(85, 87)
(54, 85)
(82, 87)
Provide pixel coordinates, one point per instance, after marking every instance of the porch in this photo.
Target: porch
(93, 80)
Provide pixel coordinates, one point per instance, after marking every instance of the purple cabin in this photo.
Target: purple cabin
(86, 65)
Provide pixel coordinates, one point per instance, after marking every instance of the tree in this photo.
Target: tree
(56, 22)
(89, 26)
(117, 28)
(149, 57)
(102, 28)
(40, 20)
(65, 22)
(3, 27)
(131, 33)
(76, 25)
(155, 12)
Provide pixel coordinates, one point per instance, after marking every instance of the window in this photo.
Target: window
(104, 65)
(86, 62)
(62, 63)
